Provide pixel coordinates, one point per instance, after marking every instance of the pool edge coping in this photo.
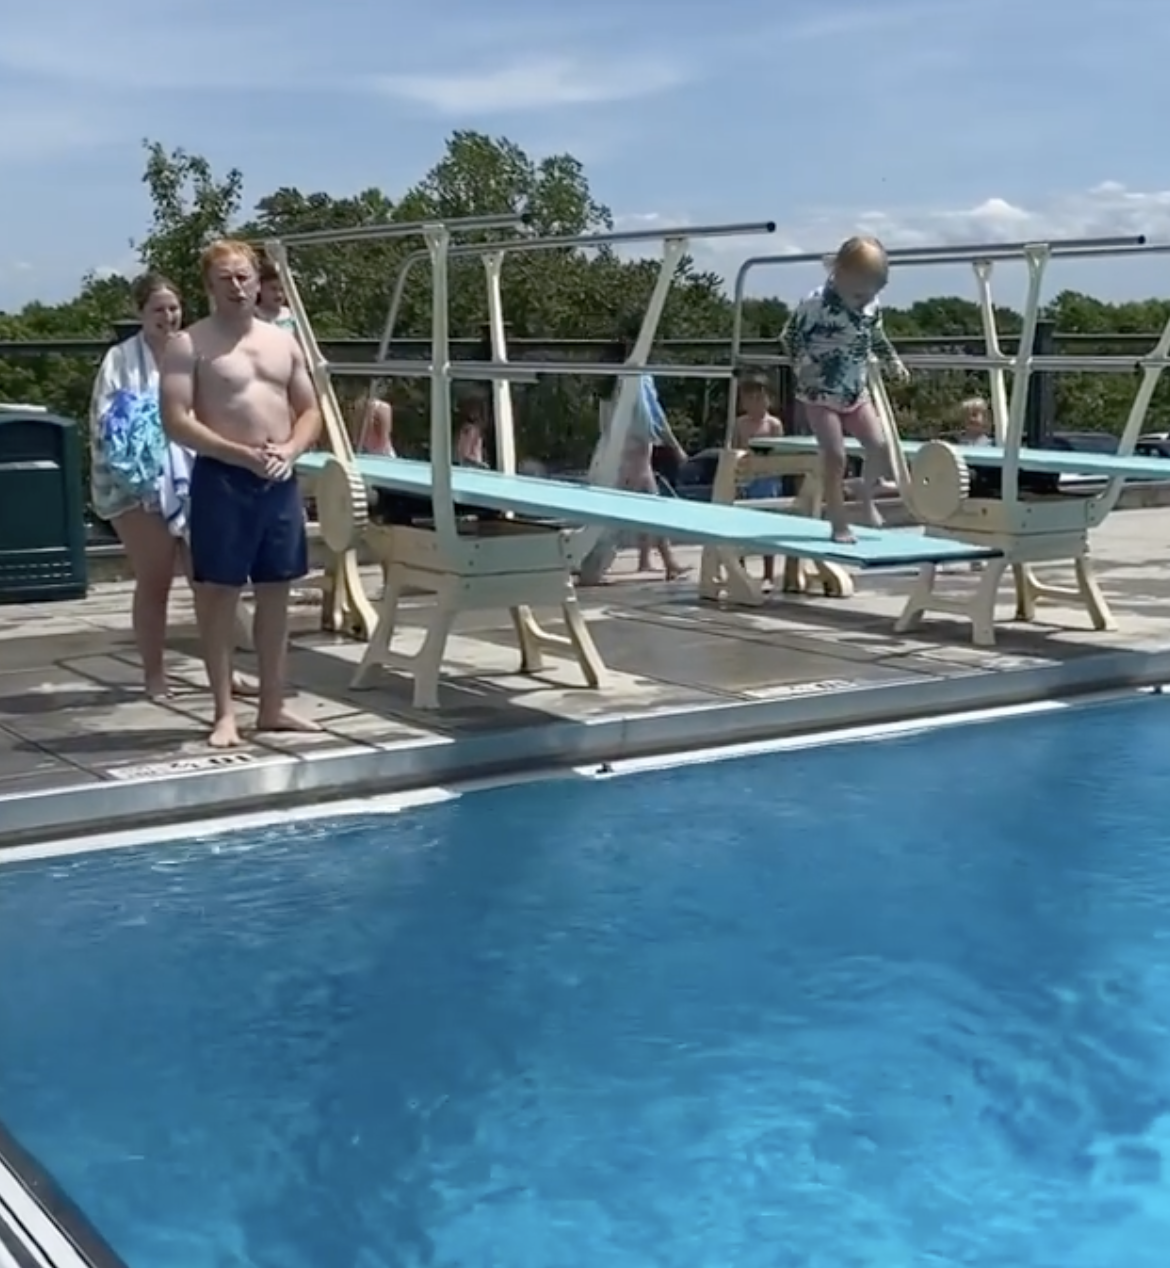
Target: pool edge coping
(285, 781)
(41, 1221)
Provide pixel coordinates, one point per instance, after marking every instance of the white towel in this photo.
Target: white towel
(130, 366)
(127, 367)
(174, 489)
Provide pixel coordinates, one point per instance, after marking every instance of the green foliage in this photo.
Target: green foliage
(189, 209)
(558, 294)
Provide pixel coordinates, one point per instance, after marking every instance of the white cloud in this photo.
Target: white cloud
(1107, 210)
(537, 82)
(128, 266)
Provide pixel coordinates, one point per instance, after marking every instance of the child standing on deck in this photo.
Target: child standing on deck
(756, 421)
(831, 338)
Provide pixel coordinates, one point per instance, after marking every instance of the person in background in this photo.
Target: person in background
(271, 303)
(755, 419)
(140, 482)
(471, 427)
(667, 459)
(974, 422)
(649, 427)
(374, 426)
(755, 422)
(373, 433)
(975, 430)
(130, 466)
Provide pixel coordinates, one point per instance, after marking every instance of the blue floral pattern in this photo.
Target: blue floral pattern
(133, 442)
(831, 344)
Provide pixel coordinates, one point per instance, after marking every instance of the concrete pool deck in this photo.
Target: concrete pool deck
(82, 751)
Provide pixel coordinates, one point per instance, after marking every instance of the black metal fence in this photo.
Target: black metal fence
(709, 398)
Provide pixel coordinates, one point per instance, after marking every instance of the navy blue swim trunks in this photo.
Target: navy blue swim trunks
(245, 528)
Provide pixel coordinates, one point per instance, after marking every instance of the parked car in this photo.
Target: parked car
(1083, 441)
(1150, 445)
(1153, 445)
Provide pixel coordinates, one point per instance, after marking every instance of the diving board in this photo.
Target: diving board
(1056, 462)
(1025, 526)
(723, 573)
(677, 518)
(464, 563)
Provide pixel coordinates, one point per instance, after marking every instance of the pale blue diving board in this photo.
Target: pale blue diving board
(1069, 462)
(765, 532)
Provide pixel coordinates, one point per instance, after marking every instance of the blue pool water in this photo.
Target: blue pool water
(876, 1006)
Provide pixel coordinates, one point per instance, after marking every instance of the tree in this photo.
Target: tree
(189, 209)
(560, 294)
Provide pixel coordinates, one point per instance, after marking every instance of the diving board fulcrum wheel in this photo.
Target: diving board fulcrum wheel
(343, 510)
(940, 482)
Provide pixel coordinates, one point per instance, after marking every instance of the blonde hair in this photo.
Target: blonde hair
(973, 403)
(861, 252)
(226, 249)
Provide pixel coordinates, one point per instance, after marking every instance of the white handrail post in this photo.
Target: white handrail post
(607, 457)
(595, 548)
(1153, 365)
(502, 402)
(996, 378)
(884, 407)
(1037, 256)
(736, 349)
(331, 416)
(438, 240)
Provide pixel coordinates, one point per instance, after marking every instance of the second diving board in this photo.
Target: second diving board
(678, 519)
(1070, 462)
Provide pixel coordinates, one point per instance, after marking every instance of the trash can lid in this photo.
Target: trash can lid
(14, 412)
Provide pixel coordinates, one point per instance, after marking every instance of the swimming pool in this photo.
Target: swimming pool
(893, 1004)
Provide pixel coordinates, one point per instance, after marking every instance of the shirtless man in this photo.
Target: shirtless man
(237, 391)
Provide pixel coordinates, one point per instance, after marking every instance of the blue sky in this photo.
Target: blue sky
(921, 120)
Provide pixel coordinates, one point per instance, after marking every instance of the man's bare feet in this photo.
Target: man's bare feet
(225, 734)
(842, 534)
(285, 720)
(678, 572)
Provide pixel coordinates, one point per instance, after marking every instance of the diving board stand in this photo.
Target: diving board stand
(521, 557)
(519, 567)
(1043, 528)
(502, 564)
(1021, 527)
(461, 562)
(723, 573)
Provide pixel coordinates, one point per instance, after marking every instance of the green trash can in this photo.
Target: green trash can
(42, 507)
